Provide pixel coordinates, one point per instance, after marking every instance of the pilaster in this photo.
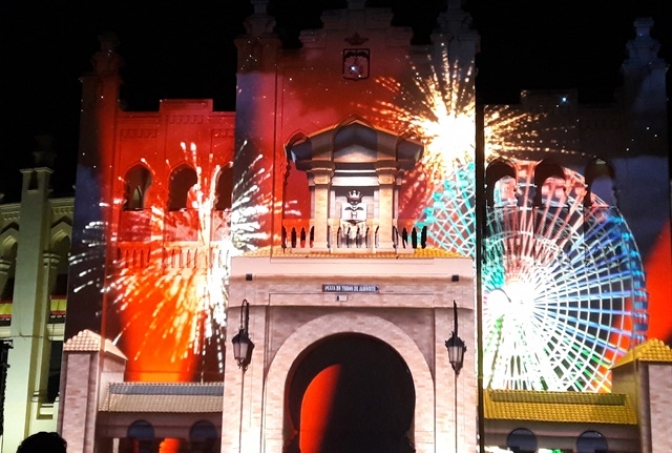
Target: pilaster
(30, 308)
(387, 182)
(320, 180)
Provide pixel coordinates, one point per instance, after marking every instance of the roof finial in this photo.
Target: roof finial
(106, 61)
(259, 23)
(44, 155)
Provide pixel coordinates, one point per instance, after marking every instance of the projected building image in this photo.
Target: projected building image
(285, 277)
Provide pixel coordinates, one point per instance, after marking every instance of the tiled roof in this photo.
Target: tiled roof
(651, 351)
(559, 407)
(419, 253)
(88, 341)
(163, 397)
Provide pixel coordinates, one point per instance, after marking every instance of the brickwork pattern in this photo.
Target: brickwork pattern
(77, 402)
(411, 312)
(660, 401)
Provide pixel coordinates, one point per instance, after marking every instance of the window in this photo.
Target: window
(141, 436)
(203, 437)
(136, 183)
(600, 183)
(182, 179)
(522, 440)
(591, 442)
(224, 189)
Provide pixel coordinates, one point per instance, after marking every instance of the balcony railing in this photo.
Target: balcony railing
(298, 234)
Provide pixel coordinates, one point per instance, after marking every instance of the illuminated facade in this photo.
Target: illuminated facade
(35, 237)
(369, 192)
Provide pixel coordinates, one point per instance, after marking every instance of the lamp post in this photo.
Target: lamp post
(242, 352)
(456, 349)
(242, 344)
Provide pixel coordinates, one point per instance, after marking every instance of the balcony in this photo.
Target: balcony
(298, 234)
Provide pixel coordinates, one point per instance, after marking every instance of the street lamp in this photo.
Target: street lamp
(242, 344)
(456, 349)
(455, 346)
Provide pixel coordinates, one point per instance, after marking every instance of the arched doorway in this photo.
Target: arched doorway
(350, 392)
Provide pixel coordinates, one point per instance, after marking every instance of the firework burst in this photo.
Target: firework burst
(438, 106)
(170, 293)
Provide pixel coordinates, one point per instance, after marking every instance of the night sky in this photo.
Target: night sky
(186, 50)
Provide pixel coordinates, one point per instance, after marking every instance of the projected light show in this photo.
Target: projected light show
(559, 280)
(357, 206)
(567, 263)
(567, 267)
(170, 301)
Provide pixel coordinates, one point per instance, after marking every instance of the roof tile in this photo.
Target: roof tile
(559, 407)
(88, 341)
(163, 398)
(652, 350)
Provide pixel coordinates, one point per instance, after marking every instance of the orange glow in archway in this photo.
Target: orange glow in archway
(351, 393)
(316, 407)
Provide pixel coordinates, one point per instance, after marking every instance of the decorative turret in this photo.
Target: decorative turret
(645, 92)
(257, 49)
(259, 23)
(455, 29)
(44, 155)
(106, 61)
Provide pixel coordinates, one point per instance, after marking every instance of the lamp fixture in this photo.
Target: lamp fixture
(242, 344)
(456, 346)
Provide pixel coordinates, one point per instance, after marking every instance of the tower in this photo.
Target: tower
(338, 272)
(34, 245)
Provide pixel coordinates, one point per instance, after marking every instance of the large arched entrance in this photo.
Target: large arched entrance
(350, 392)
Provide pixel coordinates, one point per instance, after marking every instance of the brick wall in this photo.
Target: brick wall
(660, 394)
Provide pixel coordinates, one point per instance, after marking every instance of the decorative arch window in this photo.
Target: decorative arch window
(141, 434)
(182, 180)
(521, 440)
(550, 180)
(224, 188)
(501, 184)
(137, 181)
(591, 442)
(8, 249)
(600, 183)
(203, 437)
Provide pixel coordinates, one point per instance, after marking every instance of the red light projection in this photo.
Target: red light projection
(351, 393)
(170, 294)
(154, 238)
(658, 271)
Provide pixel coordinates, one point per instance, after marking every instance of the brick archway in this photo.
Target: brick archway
(345, 322)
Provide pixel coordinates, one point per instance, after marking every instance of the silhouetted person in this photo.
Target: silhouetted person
(43, 442)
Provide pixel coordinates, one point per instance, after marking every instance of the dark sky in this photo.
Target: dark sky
(185, 50)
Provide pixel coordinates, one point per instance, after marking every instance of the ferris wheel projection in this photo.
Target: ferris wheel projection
(563, 285)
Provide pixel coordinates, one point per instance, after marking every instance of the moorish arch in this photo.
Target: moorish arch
(8, 242)
(347, 322)
(59, 232)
